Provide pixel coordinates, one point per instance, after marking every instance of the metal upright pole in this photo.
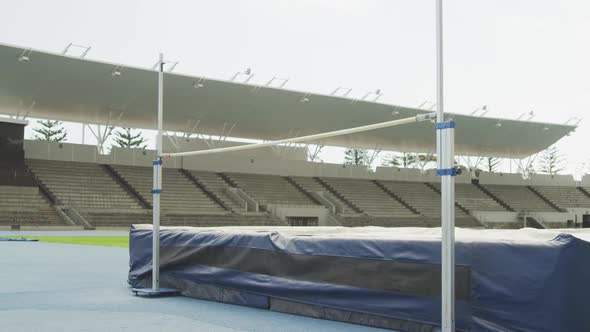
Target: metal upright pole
(155, 290)
(157, 182)
(447, 171)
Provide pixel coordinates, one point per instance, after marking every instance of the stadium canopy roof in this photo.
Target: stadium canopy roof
(53, 86)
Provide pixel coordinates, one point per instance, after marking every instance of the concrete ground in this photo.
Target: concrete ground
(66, 287)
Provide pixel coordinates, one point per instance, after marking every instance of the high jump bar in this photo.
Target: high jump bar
(341, 132)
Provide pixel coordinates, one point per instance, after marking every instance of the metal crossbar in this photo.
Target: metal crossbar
(342, 132)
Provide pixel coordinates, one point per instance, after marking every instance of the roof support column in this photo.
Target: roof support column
(225, 132)
(23, 112)
(313, 155)
(279, 150)
(100, 136)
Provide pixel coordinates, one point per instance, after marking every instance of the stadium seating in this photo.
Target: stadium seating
(179, 194)
(26, 207)
(473, 199)
(369, 198)
(83, 185)
(417, 195)
(564, 197)
(427, 201)
(217, 185)
(519, 198)
(270, 189)
(201, 198)
(313, 186)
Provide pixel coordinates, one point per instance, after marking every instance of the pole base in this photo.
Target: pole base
(149, 292)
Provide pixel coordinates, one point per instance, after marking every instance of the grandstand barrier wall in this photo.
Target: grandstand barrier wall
(495, 217)
(535, 179)
(553, 219)
(272, 166)
(139, 157)
(499, 219)
(577, 215)
(285, 211)
(551, 180)
(501, 179)
(195, 144)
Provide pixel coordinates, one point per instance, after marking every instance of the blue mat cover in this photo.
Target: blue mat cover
(502, 285)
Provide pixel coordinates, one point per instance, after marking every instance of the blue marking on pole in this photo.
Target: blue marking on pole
(157, 162)
(446, 172)
(445, 125)
(156, 191)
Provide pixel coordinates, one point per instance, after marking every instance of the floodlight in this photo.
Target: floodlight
(198, 84)
(530, 115)
(304, 98)
(116, 72)
(85, 49)
(24, 56)
(483, 110)
(377, 93)
(282, 81)
(345, 92)
(247, 72)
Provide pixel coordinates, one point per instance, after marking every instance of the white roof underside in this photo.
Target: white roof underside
(79, 90)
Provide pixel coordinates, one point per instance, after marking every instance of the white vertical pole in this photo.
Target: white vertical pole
(439, 64)
(157, 183)
(445, 147)
(83, 133)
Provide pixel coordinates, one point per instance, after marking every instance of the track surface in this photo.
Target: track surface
(66, 287)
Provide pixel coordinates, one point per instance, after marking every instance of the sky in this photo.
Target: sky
(514, 56)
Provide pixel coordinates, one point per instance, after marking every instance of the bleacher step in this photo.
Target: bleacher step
(545, 199)
(396, 197)
(492, 196)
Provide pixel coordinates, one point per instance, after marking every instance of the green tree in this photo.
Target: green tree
(492, 164)
(402, 159)
(50, 131)
(423, 160)
(552, 162)
(356, 157)
(125, 138)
